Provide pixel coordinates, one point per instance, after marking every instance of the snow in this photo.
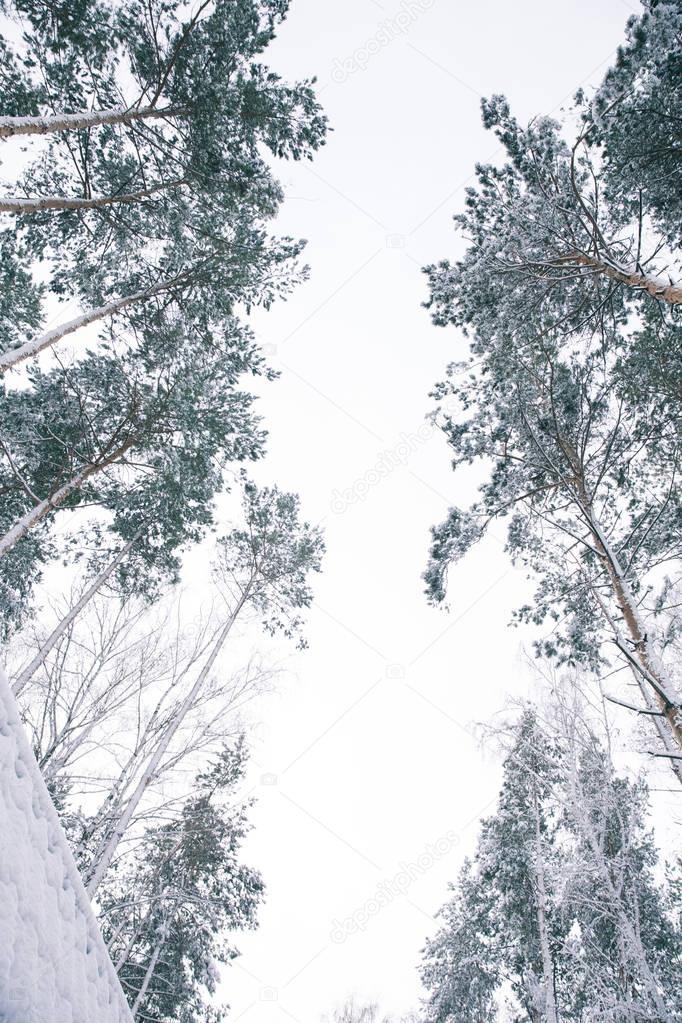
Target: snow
(54, 966)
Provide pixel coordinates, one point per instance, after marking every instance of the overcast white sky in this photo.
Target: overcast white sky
(366, 762)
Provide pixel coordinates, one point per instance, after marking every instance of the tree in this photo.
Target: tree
(628, 950)
(168, 917)
(591, 511)
(166, 185)
(503, 922)
(566, 392)
(148, 447)
(516, 859)
(105, 693)
(461, 966)
(354, 1011)
(124, 704)
(154, 225)
(264, 569)
(632, 120)
(560, 905)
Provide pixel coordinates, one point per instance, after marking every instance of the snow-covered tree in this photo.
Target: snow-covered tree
(146, 205)
(632, 119)
(168, 915)
(122, 706)
(625, 946)
(561, 914)
(503, 922)
(263, 569)
(462, 966)
(570, 389)
(354, 1010)
(152, 179)
(148, 447)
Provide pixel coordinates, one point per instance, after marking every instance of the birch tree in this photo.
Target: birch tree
(109, 682)
(352, 1010)
(264, 568)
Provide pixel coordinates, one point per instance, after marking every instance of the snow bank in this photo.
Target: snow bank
(54, 966)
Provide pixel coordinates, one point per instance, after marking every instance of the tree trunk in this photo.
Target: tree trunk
(130, 944)
(105, 853)
(645, 657)
(12, 358)
(652, 676)
(545, 951)
(660, 724)
(10, 126)
(40, 510)
(26, 205)
(626, 930)
(114, 799)
(654, 286)
(27, 673)
(147, 978)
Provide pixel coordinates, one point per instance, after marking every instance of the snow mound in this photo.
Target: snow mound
(54, 966)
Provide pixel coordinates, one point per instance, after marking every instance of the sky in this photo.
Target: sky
(367, 770)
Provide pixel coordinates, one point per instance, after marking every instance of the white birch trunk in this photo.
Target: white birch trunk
(27, 673)
(33, 517)
(10, 126)
(12, 358)
(105, 853)
(147, 978)
(8, 204)
(114, 799)
(547, 965)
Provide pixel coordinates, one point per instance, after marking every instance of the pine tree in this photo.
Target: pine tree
(148, 447)
(159, 193)
(628, 947)
(568, 389)
(561, 906)
(154, 223)
(507, 927)
(462, 965)
(632, 119)
(168, 918)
